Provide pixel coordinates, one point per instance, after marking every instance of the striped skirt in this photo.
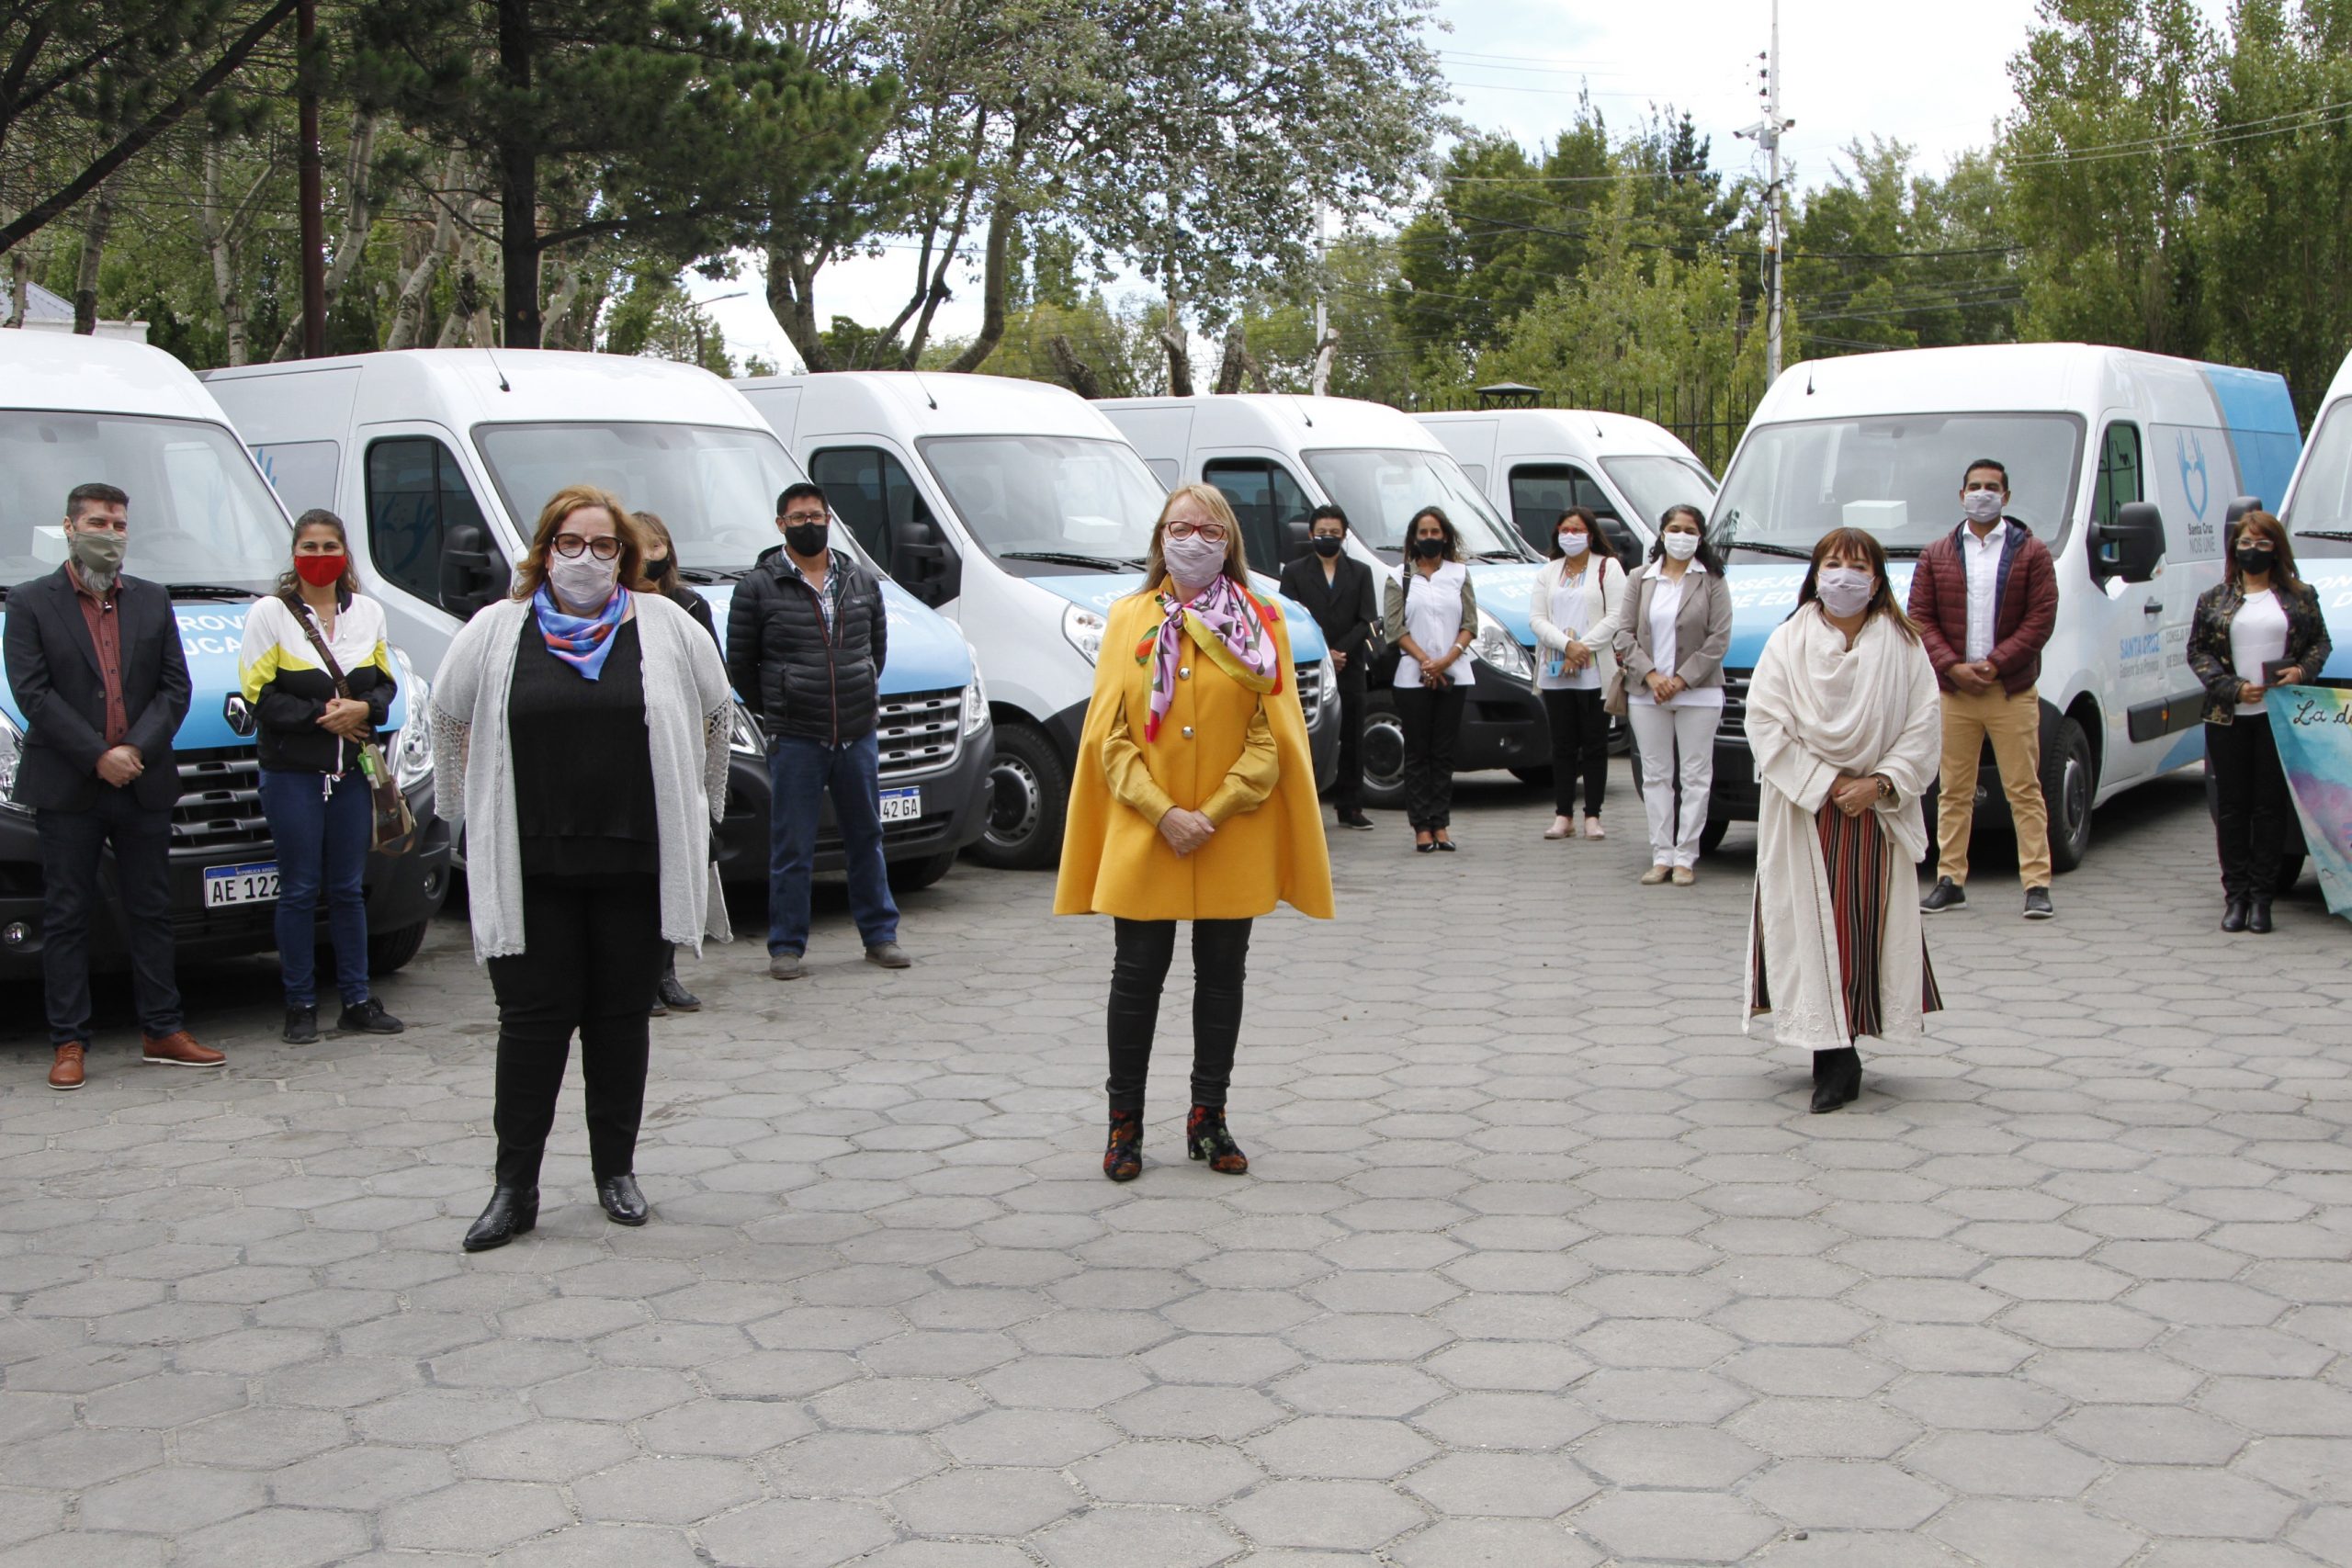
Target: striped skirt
(1854, 852)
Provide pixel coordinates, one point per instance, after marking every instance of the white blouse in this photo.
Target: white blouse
(1666, 604)
(2258, 637)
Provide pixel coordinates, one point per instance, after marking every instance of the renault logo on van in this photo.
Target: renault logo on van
(239, 714)
(2193, 481)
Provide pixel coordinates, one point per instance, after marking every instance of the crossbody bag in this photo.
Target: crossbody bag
(392, 824)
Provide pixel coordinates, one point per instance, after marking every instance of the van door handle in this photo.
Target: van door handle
(2153, 607)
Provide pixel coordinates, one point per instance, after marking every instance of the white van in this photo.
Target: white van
(1277, 458)
(2124, 464)
(1018, 509)
(204, 524)
(2317, 510)
(441, 458)
(1536, 463)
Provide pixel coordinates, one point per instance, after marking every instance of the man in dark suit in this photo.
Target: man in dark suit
(94, 658)
(1339, 592)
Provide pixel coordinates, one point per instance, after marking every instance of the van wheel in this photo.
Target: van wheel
(1383, 760)
(389, 951)
(914, 876)
(1711, 837)
(1542, 775)
(2068, 783)
(2291, 871)
(1027, 797)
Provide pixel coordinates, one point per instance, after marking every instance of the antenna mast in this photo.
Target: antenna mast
(1766, 133)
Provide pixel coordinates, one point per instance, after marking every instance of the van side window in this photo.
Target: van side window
(416, 493)
(1540, 492)
(2121, 481)
(872, 491)
(1264, 498)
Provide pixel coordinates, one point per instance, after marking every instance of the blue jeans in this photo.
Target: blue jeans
(800, 774)
(322, 852)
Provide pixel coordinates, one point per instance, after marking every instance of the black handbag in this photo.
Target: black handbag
(1380, 663)
(392, 826)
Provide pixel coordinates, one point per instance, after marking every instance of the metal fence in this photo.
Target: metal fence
(1707, 418)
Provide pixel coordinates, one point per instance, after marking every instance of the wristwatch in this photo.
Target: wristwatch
(1885, 786)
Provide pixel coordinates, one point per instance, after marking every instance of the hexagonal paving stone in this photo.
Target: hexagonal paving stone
(1536, 1487)
(981, 1501)
(172, 1501)
(545, 1450)
(796, 1534)
(1695, 1458)
(1338, 1516)
(365, 1476)
(1688, 1527)
(1340, 1447)
(1193, 1476)
(666, 1491)
(2004, 1465)
(1142, 1538)
(474, 1515)
(1815, 1494)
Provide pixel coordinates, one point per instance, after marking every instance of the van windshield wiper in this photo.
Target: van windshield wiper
(706, 574)
(2341, 535)
(207, 591)
(1788, 550)
(1069, 558)
(1499, 555)
(1901, 552)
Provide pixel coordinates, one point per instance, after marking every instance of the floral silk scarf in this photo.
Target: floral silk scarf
(1228, 624)
(582, 641)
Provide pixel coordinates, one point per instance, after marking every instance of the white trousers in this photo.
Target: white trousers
(1661, 733)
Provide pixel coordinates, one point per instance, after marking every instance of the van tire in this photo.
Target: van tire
(2069, 783)
(1383, 750)
(390, 950)
(914, 876)
(1535, 775)
(1711, 836)
(1026, 800)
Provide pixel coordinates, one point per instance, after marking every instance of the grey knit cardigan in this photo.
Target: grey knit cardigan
(686, 714)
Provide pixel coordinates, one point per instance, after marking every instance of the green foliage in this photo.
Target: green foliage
(1886, 257)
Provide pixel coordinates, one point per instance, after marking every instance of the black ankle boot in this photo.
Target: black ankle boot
(671, 996)
(2233, 912)
(512, 1211)
(1205, 1138)
(2257, 918)
(1836, 1078)
(624, 1204)
(1123, 1156)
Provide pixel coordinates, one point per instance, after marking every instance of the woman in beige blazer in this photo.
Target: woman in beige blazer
(1670, 647)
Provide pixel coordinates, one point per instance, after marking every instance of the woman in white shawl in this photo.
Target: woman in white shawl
(1847, 731)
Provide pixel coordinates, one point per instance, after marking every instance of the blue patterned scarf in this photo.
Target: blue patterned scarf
(584, 642)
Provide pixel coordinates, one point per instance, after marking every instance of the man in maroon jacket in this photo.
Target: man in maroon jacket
(1985, 597)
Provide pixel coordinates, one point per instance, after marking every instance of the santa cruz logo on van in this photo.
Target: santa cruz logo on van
(2145, 647)
(2194, 482)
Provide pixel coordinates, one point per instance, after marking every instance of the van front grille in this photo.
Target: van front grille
(219, 803)
(921, 732)
(1310, 692)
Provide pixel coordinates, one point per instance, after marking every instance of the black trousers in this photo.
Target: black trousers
(2255, 812)
(1579, 748)
(1347, 789)
(594, 957)
(1432, 721)
(1140, 970)
(73, 846)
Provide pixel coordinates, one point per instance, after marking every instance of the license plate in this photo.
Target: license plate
(901, 804)
(226, 885)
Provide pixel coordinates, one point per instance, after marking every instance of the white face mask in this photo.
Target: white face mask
(1679, 546)
(1576, 544)
(1981, 506)
(582, 582)
(1844, 589)
(1192, 561)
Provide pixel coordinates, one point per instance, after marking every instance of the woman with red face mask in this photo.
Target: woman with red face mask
(318, 678)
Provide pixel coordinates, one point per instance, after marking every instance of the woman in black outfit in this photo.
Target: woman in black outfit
(1430, 611)
(661, 573)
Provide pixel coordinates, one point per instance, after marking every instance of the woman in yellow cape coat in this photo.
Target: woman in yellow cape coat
(1206, 814)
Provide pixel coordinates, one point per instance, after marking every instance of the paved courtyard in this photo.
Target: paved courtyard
(1541, 1263)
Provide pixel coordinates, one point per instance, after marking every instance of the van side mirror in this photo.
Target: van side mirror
(472, 575)
(2130, 546)
(922, 564)
(2241, 506)
(1294, 537)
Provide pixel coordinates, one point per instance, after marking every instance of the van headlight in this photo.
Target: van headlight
(743, 736)
(413, 747)
(1084, 628)
(1496, 647)
(12, 753)
(976, 696)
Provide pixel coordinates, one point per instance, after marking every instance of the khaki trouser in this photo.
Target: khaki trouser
(2013, 724)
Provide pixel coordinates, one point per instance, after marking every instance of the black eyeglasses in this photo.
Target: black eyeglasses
(568, 546)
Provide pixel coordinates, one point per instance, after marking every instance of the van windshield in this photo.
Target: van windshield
(1381, 488)
(1048, 503)
(714, 488)
(1653, 484)
(2320, 514)
(1895, 475)
(198, 511)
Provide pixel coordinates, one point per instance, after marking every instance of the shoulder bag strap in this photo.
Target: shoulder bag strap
(302, 614)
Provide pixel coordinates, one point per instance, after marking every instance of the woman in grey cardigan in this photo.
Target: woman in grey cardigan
(582, 725)
(1671, 646)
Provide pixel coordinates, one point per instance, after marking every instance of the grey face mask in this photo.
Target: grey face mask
(98, 553)
(1192, 561)
(583, 580)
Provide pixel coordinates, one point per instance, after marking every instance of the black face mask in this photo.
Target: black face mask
(806, 538)
(1429, 549)
(660, 571)
(1325, 545)
(2254, 562)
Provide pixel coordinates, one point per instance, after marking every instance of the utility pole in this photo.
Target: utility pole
(310, 191)
(1766, 133)
(1319, 382)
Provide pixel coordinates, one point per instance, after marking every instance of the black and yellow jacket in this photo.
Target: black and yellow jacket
(2209, 641)
(288, 688)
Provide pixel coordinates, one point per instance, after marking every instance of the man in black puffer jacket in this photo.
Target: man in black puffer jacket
(806, 637)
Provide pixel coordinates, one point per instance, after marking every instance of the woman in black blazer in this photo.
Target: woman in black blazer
(1339, 592)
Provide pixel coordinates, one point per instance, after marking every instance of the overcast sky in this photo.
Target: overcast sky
(1933, 76)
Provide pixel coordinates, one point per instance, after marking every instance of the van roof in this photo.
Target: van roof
(2085, 378)
(1596, 430)
(94, 375)
(1304, 421)
(2342, 386)
(936, 403)
(531, 386)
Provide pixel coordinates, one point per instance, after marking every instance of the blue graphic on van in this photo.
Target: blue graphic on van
(2195, 482)
(1099, 591)
(1762, 596)
(2331, 581)
(2260, 419)
(927, 652)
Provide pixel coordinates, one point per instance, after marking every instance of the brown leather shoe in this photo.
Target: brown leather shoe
(66, 1072)
(179, 1049)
